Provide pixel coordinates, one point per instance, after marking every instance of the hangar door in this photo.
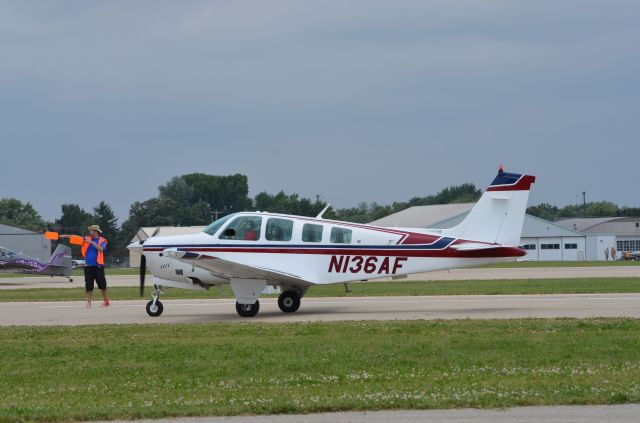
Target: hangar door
(550, 249)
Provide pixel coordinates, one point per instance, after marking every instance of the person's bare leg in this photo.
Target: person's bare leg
(89, 296)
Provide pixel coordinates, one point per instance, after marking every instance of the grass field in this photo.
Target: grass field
(134, 371)
(470, 287)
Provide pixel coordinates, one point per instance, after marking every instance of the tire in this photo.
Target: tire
(289, 301)
(154, 311)
(248, 310)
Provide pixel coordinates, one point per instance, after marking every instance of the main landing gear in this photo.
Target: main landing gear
(154, 307)
(289, 301)
(248, 310)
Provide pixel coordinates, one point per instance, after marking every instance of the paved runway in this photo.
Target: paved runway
(331, 309)
(443, 275)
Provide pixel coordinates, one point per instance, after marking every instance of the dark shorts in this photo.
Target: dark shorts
(96, 273)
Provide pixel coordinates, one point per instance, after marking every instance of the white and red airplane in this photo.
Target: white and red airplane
(251, 250)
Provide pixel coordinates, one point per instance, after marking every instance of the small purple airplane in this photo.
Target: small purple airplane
(58, 265)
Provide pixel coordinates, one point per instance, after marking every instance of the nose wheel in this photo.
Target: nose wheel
(155, 307)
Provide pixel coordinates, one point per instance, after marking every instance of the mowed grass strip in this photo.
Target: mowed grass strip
(398, 288)
(122, 372)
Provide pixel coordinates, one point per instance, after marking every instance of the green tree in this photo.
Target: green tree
(629, 211)
(287, 204)
(544, 211)
(364, 213)
(602, 209)
(74, 220)
(187, 206)
(592, 209)
(103, 216)
(15, 212)
(226, 194)
(464, 193)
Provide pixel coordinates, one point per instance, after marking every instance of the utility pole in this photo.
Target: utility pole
(584, 203)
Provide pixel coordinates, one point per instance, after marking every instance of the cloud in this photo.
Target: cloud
(354, 100)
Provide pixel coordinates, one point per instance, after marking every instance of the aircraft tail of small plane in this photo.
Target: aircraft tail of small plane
(499, 214)
(61, 257)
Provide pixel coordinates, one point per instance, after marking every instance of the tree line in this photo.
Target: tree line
(198, 199)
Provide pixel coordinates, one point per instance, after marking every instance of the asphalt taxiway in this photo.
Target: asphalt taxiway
(329, 309)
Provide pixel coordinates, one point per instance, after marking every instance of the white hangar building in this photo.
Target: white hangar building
(626, 229)
(542, 239)
(32, 244)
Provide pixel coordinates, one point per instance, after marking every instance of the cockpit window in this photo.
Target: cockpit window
(213, 228)
(245, 228)
(6, 253)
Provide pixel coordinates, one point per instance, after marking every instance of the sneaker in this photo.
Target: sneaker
(105, 303)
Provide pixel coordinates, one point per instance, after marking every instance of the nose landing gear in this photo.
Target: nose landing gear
(155, 307)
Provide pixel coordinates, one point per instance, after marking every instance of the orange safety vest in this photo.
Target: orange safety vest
(85, 246)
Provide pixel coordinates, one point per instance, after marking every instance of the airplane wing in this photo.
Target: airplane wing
(227, 269)
(9, 266)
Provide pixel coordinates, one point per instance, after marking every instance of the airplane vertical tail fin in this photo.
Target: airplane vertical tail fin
(499, 214)
(61, 257)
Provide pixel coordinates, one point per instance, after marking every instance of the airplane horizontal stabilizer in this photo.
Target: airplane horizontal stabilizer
(475, 246)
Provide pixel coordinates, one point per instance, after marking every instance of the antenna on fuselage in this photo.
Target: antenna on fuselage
(319, 216)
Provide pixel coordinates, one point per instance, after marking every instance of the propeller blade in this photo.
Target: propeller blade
(143, 270)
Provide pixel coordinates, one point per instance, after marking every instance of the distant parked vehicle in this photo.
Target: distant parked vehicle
(631, 255)
(78, 263)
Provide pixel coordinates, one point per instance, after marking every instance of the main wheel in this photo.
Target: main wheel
(154, 310)
(247, 310)
(289, 301)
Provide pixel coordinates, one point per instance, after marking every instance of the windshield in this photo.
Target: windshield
(6, 253)
(213, 228)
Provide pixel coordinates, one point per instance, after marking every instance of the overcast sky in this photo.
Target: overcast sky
(353, 100)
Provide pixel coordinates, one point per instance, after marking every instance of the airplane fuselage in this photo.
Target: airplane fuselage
(361, 252)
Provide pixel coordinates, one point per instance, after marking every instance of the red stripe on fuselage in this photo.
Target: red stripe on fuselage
(394, 252)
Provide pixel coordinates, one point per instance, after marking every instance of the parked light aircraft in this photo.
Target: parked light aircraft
(251, 250)
(58, 265)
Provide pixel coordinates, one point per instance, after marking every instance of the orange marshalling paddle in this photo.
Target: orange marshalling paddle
(73, 239)
(53, 236)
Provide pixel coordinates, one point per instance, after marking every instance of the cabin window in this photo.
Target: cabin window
(246, 228)
(279, 229)
(340, 236)
(311, 232)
